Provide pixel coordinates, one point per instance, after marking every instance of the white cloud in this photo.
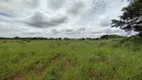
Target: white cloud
(59, 18)
(39, 19)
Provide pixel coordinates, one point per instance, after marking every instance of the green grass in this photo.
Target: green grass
(71, 60)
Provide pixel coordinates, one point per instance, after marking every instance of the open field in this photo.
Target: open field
(113, 59)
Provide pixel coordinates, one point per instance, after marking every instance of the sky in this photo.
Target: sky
(59, 18)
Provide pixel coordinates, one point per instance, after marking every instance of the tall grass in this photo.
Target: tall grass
(113, 59)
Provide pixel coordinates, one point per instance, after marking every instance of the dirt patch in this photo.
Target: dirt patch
(68, 64)
(21, 77)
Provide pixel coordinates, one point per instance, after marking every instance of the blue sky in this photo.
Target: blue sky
(59, 18)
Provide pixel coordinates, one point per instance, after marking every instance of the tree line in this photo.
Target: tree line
(42, 38)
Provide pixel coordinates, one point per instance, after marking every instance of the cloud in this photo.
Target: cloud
(59, 18)
(55, 4)
(5, 14)
(76, 8)
(39, 19)
(31, 33)
(105, 21)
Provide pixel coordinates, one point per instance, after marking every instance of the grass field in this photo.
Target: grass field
(115, 59)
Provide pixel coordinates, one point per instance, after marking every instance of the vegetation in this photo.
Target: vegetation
(111, 37)
(111, 59)
(42, 38)
(131, 20)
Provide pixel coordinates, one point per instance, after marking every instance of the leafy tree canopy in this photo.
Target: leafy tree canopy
(131, 19)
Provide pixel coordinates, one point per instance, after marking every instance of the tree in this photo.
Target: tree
(16, 37)
(131, 19)
(111, 36)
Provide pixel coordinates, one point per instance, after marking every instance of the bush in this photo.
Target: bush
(4, 42)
